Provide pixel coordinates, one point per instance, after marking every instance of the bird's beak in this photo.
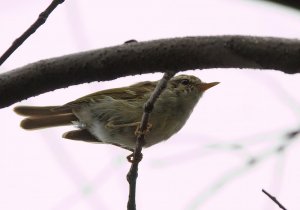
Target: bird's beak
(205, 86)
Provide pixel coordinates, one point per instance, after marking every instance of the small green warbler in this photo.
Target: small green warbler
(112, 116)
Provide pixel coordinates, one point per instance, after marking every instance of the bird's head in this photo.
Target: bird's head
(188, 85)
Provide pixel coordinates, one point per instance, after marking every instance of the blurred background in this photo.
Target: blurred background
(234, 145)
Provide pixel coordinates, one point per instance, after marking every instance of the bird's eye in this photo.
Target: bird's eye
(185, 81)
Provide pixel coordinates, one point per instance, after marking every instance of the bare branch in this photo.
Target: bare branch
(137, 154)
(293, 134)
(40, 21)
(274, 199)
(177, 54)
(227, 177)
(288, 3)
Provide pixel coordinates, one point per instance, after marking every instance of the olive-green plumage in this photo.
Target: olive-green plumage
(112, 116)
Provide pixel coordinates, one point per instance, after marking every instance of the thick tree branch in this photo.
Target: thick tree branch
(40, 21)
(289, 3)
(177, 54)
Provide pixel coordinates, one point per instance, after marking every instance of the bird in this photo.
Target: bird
(112, 116)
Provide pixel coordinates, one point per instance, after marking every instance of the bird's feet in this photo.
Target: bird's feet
(131, 158)
(138, 131)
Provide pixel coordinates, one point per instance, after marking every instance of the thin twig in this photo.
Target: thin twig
(137, 155)
(293, 134)
(40, 21)
(274, 199)
(232, 174)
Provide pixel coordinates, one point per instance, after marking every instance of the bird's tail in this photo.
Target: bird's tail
(44, 117)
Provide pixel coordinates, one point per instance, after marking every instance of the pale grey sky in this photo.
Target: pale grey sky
(252, 108)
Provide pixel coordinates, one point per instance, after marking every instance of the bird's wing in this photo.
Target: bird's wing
(133, 92)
